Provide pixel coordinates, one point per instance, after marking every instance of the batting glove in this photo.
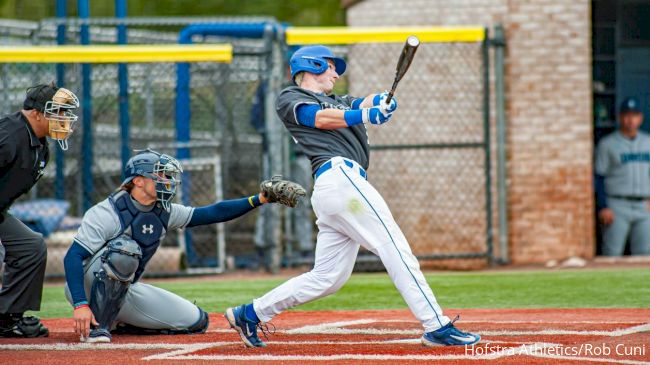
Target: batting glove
(390, 107)
(375, 115)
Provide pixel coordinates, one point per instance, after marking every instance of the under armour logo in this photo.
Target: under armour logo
(147, 229)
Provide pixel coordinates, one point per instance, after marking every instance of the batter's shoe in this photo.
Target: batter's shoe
(25, 327)
(246, 328)
(449, 335)
(97, 335)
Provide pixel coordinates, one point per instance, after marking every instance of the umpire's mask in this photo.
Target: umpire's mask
(57, 105)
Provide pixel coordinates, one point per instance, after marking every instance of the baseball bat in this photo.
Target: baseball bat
(404, 62)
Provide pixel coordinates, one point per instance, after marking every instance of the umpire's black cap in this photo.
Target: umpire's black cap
(630, 105)
(38, 96)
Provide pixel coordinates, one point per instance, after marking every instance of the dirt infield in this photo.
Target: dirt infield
(513, 336)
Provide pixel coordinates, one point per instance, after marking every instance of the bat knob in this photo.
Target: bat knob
(413, 41)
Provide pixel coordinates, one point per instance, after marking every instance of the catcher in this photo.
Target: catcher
(119, 235)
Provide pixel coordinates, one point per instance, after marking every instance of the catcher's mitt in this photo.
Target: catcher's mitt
(282, 191)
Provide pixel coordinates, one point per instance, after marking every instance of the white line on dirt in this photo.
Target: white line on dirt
(336, 328)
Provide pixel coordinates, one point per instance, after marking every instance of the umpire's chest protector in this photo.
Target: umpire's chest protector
(146, 228)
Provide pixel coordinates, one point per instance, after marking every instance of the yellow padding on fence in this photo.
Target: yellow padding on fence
(348, 35)
(117, 54)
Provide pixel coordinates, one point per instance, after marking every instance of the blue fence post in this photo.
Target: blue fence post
(183, 115)
(59, 184)
(183, 112)
(87, 140)
(123, 77)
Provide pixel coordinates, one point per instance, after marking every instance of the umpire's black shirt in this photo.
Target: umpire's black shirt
(23, 157)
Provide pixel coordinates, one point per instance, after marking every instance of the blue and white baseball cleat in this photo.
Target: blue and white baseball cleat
(449, 335)
(247, 328)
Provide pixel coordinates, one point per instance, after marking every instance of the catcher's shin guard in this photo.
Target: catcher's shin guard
(106, 299)
(119, 264)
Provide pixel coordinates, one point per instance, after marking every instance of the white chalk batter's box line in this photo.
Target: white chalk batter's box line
(182, 351)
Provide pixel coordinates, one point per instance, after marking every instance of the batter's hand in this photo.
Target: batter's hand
(606, 216)
(391, 106)
(375, 115)
(83, 317)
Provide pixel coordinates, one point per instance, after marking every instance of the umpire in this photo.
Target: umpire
(622, 169)
(47, 111)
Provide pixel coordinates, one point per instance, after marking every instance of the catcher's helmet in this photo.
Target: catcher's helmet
(314, 59)
(164, 170)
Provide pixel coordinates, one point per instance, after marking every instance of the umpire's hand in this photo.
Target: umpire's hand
(83, 317)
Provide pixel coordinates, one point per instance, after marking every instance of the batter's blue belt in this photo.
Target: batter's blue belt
(328, 165)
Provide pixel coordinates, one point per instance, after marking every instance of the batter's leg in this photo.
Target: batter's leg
(334, 261)
(369, 221)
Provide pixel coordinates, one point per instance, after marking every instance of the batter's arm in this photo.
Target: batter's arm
(330, 119)
(369, 101)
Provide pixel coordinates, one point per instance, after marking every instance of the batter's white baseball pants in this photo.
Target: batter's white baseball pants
(350, 213)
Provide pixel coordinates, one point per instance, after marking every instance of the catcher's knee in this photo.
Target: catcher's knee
(121, 259)
(201, 325)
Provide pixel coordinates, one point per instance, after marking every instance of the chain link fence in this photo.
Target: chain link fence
(429, 163)
(225, 147)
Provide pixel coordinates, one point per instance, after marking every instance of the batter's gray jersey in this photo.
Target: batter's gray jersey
(101, 224)
(321, 145)
(625, 164)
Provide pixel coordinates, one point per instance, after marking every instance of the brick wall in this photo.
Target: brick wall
(548, 106)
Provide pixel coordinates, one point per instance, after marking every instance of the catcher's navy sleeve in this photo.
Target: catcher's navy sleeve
(223, 211)
(74, 272)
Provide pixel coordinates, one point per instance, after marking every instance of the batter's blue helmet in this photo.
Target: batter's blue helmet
(313, 59)
(164, 170)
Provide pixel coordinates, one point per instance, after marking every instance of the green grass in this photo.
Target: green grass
(627, 288)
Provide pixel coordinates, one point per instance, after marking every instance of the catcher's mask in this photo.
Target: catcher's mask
(57, 105)
(164, 170)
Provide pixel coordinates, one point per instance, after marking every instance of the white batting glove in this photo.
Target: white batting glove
(390, 107)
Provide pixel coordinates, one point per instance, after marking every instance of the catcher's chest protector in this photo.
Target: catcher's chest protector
(146, 228)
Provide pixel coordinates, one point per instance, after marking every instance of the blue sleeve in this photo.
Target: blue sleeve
(356, 103)
(306, 114)
(601, 197)
(74, 272)
(223, 211)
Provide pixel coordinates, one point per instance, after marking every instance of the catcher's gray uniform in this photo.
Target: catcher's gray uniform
(145, 306)
(625, 165)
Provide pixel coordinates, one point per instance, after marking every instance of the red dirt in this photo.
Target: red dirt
(599, 335)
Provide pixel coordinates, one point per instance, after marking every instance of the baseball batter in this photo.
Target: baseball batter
(118, 237)
(331, 131)
(623, 184)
